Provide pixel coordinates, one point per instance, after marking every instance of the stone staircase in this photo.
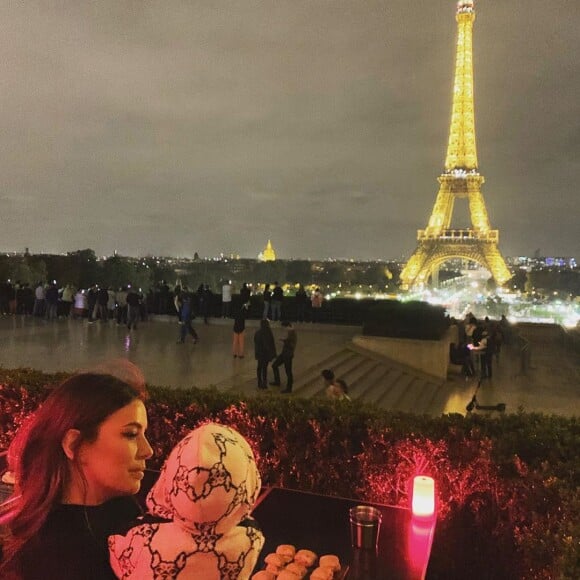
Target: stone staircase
(377, 381)
(372, 379)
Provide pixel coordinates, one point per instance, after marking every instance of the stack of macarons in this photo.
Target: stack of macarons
(288, 564)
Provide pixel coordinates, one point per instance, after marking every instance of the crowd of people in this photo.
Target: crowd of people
(50, 301)
(477, 343)
(129, 306)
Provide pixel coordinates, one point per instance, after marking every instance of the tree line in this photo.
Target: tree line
(82, 268)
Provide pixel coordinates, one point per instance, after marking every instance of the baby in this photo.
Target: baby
(198, 525)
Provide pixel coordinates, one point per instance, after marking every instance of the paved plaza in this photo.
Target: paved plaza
(70, 345)
(551, 384)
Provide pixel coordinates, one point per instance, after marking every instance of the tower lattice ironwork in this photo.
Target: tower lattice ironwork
(461, 179)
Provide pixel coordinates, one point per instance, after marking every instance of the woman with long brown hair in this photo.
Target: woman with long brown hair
(77, 465)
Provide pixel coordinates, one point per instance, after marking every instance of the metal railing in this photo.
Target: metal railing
(466, 235)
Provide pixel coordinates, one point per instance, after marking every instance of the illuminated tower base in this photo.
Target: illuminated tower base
(439, 243)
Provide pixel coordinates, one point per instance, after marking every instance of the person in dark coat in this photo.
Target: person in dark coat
(276, 303)
(265, 351)
(184, 300)
(133, 308)
(285, 358)
(51, 300)
(28, 299)
(204, 300)
(101, 310)
(301, 302)
(245, 293)
(267, 297)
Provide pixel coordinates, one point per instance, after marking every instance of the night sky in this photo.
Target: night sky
(169, 127)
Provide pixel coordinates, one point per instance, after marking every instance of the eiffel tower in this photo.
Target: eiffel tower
(438, 243)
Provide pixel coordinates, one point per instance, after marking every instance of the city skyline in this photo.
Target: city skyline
(177, 128)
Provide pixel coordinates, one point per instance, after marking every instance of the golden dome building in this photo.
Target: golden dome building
(268, 255)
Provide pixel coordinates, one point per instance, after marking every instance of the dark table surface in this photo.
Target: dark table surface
(321, 524)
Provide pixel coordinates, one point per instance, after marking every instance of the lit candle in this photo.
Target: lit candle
(423, 502)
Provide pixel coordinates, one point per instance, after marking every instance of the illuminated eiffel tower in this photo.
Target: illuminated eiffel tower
(439, 243)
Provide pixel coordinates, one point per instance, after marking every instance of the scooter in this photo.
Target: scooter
(474, 405)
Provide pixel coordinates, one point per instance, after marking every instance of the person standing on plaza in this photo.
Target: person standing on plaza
(21, 290)
(267, 296)
(301, 302)
(28, 299)
(101, 305)
(92, 301)
(240, 330)
(184, 300)
(39, 300)
(204, 299)
(68, 294)
(490, 350)
(19, 298)
(277, 297)
(245, 294)
(264, 352)
(478, 349)
(51, 300)
(133, 308)
(111, 303)
(164, 297)
(80, 306)
(121, 300)
(316, 302)
(226, 299)
(285, 358)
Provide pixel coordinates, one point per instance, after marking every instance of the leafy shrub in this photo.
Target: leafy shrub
(507, 488)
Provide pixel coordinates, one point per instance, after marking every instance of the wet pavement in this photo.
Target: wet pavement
(71, 345)
(546, 382)
(551, 384)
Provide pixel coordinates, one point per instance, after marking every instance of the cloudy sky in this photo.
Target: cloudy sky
(174, 126)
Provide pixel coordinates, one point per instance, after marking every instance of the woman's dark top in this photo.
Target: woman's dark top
(72, 544)
(240, 321)
(244, 295)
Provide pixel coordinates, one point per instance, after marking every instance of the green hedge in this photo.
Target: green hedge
(508, 487)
